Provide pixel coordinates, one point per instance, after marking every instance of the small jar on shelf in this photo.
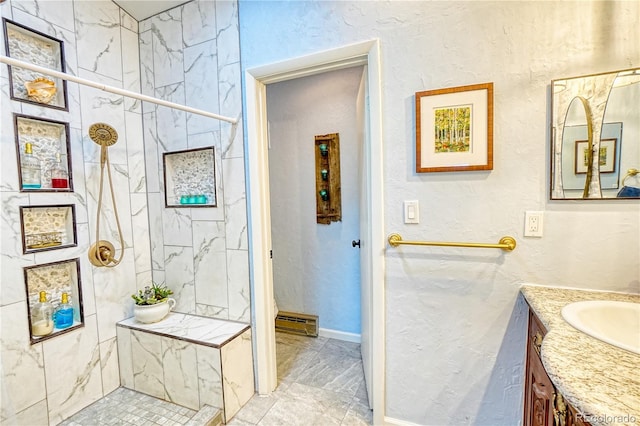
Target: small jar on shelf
(59, 176)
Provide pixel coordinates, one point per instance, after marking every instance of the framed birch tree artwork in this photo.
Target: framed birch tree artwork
(454, 129)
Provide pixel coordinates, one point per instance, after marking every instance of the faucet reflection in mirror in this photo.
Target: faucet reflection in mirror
(595, 136)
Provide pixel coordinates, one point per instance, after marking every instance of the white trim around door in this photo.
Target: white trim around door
(256, 79)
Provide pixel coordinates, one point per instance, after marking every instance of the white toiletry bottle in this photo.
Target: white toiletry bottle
(42, 317)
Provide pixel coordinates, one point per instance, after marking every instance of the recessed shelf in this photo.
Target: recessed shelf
(189, 178)
(47, 227)
(49, 144)
(39, 49)
(53, 279)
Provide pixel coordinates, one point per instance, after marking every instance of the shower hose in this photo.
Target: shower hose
(103, 254)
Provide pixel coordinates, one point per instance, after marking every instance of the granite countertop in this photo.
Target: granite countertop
(598, 379)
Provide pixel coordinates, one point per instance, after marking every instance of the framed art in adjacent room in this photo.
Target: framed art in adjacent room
(454, 129)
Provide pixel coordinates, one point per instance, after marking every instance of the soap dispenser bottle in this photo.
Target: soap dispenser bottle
(63, 317)
(41, 317)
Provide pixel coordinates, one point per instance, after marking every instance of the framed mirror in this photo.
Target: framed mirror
(595, 136)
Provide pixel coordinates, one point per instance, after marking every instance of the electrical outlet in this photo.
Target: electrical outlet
(533, 224)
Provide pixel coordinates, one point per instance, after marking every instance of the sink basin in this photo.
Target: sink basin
(613, 322)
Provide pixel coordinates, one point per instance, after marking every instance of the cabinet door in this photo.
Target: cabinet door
(539, 393)
(573, 419)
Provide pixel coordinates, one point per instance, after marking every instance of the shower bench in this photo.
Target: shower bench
(189, 360)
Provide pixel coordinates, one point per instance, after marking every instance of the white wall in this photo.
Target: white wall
(315, 268)
(455, 329)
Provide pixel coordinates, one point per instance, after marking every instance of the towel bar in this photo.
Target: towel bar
(506, 243)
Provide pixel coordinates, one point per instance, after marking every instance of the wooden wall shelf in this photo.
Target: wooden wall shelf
(328, 189)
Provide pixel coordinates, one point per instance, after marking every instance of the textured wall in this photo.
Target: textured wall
(49, 381)
(315, 268)
(455, 331)
(190, 55)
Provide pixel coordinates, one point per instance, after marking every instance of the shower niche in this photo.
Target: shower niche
(54, 298)
(28, 45)
(189, 178)
(44, 163)
(47, 227)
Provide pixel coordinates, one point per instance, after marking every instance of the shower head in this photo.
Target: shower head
(103, 134)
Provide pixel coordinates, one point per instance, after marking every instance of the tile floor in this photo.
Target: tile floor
(320, 382)
(127, 407)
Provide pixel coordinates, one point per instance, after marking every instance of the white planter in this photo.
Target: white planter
(153, 313)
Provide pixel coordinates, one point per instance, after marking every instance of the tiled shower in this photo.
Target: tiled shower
(200, 253)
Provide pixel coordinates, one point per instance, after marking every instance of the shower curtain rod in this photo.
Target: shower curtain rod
(15, 62)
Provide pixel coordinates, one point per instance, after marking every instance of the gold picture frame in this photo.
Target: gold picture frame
(454, 129)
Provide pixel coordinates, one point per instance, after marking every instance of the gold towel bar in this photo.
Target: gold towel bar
(506, 243)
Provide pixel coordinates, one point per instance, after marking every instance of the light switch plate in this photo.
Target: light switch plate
(411, 212)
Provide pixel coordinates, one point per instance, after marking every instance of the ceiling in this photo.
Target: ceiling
(143, 9)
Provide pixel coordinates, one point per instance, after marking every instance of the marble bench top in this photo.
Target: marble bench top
(191, 328)
(598, 379)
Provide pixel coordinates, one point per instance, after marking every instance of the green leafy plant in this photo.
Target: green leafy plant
(152, 294)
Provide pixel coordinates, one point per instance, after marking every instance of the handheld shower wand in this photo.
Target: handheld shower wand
(102, 252)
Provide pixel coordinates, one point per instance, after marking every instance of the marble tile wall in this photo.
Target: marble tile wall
(190, 55)
(184, 372)
(49, 381)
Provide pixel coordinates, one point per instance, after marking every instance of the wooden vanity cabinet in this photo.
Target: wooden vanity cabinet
(573, 419)
(543, 405)
(538, 390)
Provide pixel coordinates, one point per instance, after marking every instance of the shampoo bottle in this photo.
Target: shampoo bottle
(41, 317)
(63, 316)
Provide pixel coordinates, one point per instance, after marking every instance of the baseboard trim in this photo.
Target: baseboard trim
(339, 335)
(396, 422)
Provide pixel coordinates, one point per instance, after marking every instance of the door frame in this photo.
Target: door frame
(256, 80)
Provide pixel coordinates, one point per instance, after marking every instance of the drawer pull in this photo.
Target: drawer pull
(559, 410)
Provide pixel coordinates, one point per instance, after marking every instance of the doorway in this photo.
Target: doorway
(316, 266)
(372, 228)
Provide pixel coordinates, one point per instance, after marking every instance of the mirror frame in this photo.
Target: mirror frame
(593, 91)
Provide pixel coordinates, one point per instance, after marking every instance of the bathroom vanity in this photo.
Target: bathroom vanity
(572, 378)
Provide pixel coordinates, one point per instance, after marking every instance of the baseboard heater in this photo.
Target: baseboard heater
(295, 323)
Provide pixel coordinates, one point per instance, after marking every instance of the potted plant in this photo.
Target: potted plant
(153, 303)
